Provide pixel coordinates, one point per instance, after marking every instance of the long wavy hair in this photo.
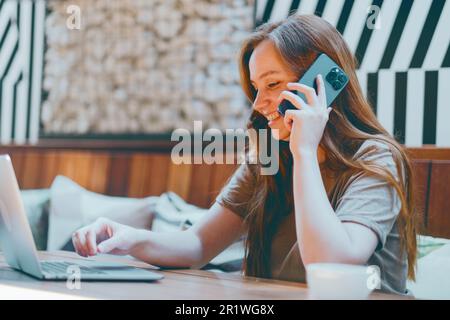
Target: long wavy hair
(299, 39)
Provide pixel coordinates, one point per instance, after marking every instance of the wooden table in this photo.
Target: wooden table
(176, 285)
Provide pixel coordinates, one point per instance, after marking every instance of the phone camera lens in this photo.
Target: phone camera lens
(331, 76)
(342, 78)
(336, 85)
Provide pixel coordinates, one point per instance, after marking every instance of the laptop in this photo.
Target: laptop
(20, 252)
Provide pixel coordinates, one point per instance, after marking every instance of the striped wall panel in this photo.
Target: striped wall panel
(413, 105)
(404, 63)
(21, 60)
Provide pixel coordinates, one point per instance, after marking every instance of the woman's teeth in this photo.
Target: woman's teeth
(272, 116)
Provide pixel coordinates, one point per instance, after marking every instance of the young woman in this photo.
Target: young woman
(342, 194)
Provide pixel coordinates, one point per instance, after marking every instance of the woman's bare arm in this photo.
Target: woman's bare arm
(322, 237)
(191, 248)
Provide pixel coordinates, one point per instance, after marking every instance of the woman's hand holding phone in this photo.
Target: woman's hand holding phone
(306, 123)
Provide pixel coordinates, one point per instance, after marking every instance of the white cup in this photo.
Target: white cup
(337, 281)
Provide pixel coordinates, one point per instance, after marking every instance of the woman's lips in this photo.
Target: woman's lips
(272, 122)
(273, 116)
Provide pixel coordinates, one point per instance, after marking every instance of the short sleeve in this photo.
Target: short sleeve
(371, 201)
(238, 191)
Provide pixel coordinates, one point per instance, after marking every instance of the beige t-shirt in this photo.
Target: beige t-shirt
(368, 201)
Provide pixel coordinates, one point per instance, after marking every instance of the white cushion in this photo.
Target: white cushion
(72, 206)
(432, 278)
(172, 213)
(428, 244)
(36, 203)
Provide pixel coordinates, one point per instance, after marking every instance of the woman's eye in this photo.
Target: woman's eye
(273, 84)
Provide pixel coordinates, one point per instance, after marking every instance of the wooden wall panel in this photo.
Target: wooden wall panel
(199, 188)
(157, 182)
(438, 223)
(421, 170)
(179, 179)
(82, 162)
(31, 170)
(118, 175)
(18, 159)
(98, 174)
(133, 172)
(49, 168)
(68, 166)
(140, 175)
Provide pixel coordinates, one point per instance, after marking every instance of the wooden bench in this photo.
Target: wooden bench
(432, 169)
(144, 168)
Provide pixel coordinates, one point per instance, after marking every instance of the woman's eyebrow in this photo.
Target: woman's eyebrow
(267, 73)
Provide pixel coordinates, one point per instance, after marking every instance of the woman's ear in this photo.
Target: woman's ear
(321, 154)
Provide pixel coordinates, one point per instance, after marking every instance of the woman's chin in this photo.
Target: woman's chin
(279, 131)
(281, 134)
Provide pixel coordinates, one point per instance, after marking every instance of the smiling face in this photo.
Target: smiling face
(269, 76)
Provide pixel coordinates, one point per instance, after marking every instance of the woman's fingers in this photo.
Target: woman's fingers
(79, 243)
(321, 94)
(85, 239)
(76, 243)
(289, 118)
(312, 98)
(95, 238)
(297, 101)
(103, 229)
(91, 242)
(82, 240)
(310, 93)
(109, 245)
(287, 122)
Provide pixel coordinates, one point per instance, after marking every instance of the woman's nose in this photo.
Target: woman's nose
(261, 102)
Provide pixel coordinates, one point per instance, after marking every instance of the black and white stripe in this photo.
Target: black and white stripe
(404, 24)
(21, 60)
(404, 65)
(412, 105)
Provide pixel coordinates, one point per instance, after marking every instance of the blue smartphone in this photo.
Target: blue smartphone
(335, 80)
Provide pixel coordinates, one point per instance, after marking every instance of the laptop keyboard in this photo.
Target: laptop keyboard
(63, 267)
